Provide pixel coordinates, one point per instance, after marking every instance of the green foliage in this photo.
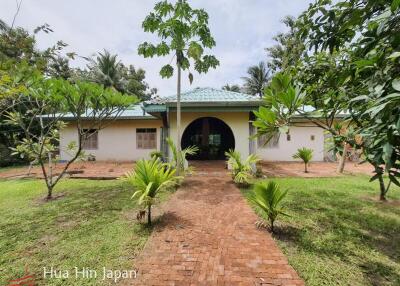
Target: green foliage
(242, 171)
(257, 79)
(267, 198)
(149, 178)
(282, 100)
(157, 155)
(44, 103)
(184, 32)
(180, 156)
(108, 71)
(289, 48)
(233, 87)
(364, 35)
(305, 154)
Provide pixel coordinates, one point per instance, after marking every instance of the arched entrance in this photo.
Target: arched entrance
(213, 137)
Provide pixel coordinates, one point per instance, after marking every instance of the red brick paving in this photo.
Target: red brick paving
(207, 236)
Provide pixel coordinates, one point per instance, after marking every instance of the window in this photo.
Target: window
(288, 137)
(312, 137)
(146, 138)
(90, 141)
(272, 143)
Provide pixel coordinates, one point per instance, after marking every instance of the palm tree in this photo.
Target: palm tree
(106, 69)
(242, 171)
(257, 80)
(149, 178)
(268, 198)
(233, 87)
(304, 154)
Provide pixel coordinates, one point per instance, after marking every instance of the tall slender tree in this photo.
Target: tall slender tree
(184, 33)
(258, 77)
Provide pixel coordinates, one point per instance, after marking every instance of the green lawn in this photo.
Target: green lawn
(92, 225)
(337, 234)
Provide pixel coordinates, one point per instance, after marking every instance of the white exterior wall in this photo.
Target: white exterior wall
(299, 137)
(116, 142)
(237, 121)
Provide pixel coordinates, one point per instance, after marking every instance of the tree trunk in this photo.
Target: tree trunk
(382, 195)
(305, 168)
(272, 225)
(178, 120)
(49, 193)
(149, 215)
(342, 160)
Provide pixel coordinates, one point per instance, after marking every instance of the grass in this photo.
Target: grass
(338, 233)
(92, 224)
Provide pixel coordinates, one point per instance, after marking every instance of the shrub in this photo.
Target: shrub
(267, 198)
(184, 166)
(157, 155)
(149, 178)
(241, 171)
(304, 154)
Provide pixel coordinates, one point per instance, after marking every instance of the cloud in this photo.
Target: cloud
(242, 29)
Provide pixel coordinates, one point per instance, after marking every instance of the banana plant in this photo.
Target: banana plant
(267, 198)
(149, 178)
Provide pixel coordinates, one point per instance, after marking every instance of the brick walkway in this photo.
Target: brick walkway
(207, 236)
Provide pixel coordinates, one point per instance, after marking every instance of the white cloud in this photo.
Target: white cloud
(242, 29)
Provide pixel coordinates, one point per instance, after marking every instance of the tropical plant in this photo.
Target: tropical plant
(365, 33)
(106, 70)
(241, 171)
(257, 79)
(184, 32)
(267, 198)
(288, 49)
(233, 87)
(305, 155)
(45, 104)
(149, 178)
(179, 161)
(157, 155)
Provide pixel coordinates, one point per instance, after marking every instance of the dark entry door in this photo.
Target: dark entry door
(213, 137)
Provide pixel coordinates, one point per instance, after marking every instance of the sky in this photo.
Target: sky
(242, 30)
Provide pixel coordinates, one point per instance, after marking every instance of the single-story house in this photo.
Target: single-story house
(214, 120)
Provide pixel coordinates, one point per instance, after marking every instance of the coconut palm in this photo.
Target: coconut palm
(106, 70)
(179, 156)
(268, 199)
(257, 79)
(304, 154)
(242, 171)
(149, 178)
(233, 87)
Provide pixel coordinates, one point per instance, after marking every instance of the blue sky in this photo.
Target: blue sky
(241, 28)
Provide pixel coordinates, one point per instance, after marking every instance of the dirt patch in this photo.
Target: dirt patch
(82, 170)
(316, 169)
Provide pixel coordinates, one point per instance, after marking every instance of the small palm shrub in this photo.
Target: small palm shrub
(183, 165)
(267, 198)
(304, 154)
(242, 171)
(157, 155)
(149, 178)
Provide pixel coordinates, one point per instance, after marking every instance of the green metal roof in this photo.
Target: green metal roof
(210, 97)
(134, 112)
